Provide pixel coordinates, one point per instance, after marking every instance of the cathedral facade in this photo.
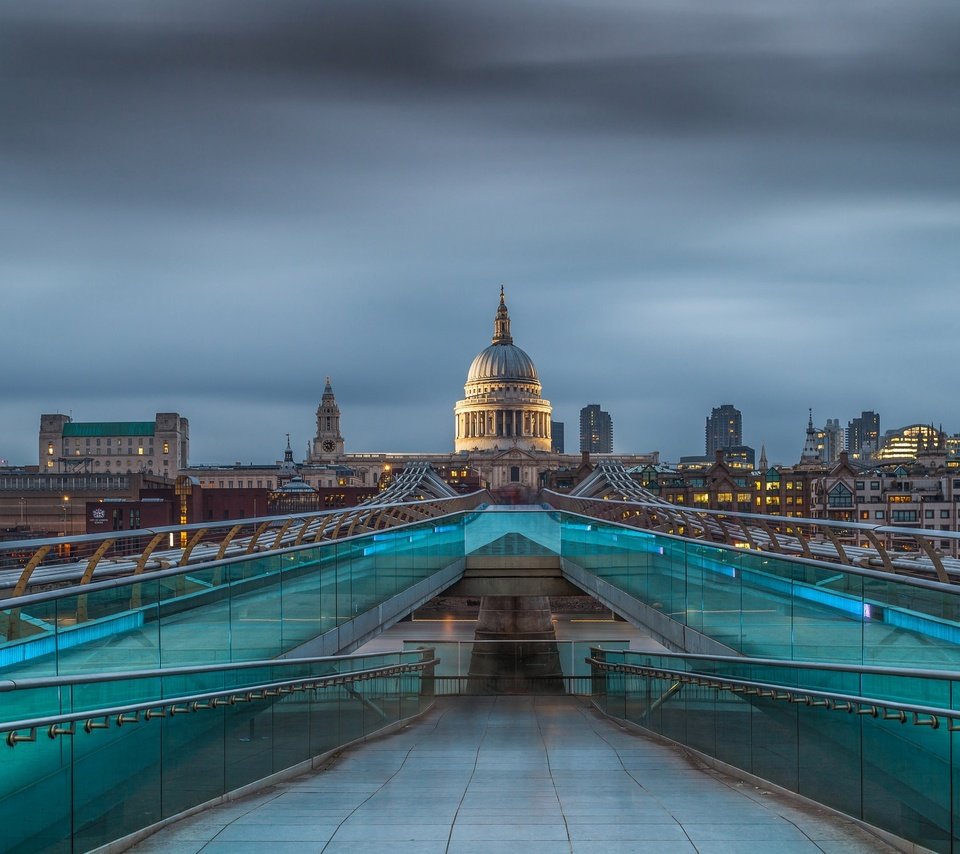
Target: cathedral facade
(502, 406)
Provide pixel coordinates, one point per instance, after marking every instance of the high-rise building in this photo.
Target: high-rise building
(863, 436)
(596, 430)
(724, 428)
(834, 440)
(556, 437)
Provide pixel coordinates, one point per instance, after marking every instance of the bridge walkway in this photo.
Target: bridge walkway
(537, 775)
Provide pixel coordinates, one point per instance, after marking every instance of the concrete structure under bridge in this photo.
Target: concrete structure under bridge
(212, 678)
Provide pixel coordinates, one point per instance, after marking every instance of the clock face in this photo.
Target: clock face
(328, 445)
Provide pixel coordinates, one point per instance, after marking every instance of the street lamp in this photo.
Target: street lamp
(66, 508)
(23, 502)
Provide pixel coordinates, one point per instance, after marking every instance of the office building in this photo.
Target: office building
(596, 430)
(724, 428)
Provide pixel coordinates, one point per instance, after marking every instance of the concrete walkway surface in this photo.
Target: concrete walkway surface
(532, 775)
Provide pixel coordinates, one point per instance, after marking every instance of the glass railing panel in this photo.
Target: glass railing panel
(249, 741)
(765, 605)
(351, 711)
(290, 723)
(115, 779)
(828, 757)
(117, 626)
(532, 531)
(116, 782)
(324, 733)
(910, 625)
(307, 585)
(907, 776)
(344, 583)
(714, 597)
(256, 608)
(189, 742)
(194, 620)
(28, 641)
(35, 797)
(894, 775)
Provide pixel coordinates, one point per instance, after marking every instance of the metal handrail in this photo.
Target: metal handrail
(195, 702)
(126, 580)
(871, 669)
(767, 517)
(855, 569)
(830, 700)
(33, 682)
(758, 525)
(324, 524)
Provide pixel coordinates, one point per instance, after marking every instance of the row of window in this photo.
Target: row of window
(51, 450)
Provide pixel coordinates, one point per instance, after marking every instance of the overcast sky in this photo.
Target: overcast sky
(206, 207)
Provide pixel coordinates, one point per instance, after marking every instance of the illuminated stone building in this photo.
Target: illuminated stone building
(160, 447)
(502, 405)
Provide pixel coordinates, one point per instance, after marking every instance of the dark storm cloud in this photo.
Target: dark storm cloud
(221, 202)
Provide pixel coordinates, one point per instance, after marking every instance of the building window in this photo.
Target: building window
(927, 514)
(944, 514)
(514, 474)
(166, 447)
(874, 484)
(50, 449)
(701, 497)
(140, 451)
(879, 514)
(839, 496)
(904, 516)
(864, 515)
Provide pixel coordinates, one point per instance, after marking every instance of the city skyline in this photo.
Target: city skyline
(209, 208)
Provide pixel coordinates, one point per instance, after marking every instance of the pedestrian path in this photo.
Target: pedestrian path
(537, 775)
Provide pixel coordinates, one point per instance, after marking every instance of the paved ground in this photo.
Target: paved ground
(513, 774)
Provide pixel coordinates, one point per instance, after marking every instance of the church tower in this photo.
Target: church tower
(328, 444)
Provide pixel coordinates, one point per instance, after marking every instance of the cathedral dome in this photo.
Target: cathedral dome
(502, 404)
(502, 362)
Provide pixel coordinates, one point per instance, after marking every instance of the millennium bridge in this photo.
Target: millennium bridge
(183, 685)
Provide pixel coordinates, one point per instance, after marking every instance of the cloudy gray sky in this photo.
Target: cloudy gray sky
(208, 206)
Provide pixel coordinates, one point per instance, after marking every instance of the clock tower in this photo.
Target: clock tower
(328, 444)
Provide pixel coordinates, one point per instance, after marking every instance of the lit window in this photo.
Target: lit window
(50, 449)
(140, 451)
(166, 447)
(701, 497)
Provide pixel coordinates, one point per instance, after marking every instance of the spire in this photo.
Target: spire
(501, 324)
(327, 390)
(763, 458)
(810, 453)
(288, 453)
